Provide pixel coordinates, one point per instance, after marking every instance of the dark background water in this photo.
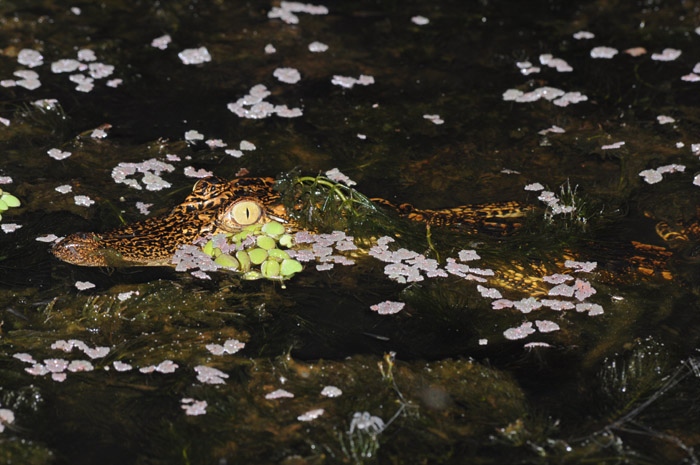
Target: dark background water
(618, 387)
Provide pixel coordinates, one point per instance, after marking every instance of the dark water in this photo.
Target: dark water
(618, 387)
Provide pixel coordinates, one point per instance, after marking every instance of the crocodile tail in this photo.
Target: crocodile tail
(498, 218)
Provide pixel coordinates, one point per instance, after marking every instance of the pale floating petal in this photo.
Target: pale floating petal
(331, 391)
(546, 326)
(161, 42)
(603, 52)
(279, 394)
(388, 307)
(195, 56)
(668, 54)
(317, 47)
(194, 407)
(520, 332)
(83, 285)
(581, 35)
(311, 415)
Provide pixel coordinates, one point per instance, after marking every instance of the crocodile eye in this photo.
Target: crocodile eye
(246, 212)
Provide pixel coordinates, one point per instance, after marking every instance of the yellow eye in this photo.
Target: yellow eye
(246, 212)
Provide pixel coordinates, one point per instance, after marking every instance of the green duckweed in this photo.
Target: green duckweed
(257, 255)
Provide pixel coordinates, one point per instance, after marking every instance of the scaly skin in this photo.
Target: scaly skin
(208, 210)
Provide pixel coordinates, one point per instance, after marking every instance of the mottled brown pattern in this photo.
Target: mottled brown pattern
(153, 241)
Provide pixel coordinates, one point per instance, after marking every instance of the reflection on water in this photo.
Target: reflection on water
(572, 339)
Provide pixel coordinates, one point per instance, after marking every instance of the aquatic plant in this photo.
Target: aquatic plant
(321, 204)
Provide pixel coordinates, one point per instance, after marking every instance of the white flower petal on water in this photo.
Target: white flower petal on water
(231, 346)
(166, 366)
(512, 94)
(331, 391)
(209, 375)
(55, 365)
(121, 366)
(555, 129)
(143, 208)
(161, 42)
(194, 56)
(10, 227)
(279, 394)
(246, 145)
(615, 145)
(194, 407)
(651, 176)
(216, 349)
(562, 290)
(592, 309)
(435, 119)
(80, 365)
(151, 170)
(387, 307)
(83, 200)
(581, 35)
(520, 332)
(98, 133)
(66, 65)
(335, 175)
(270, 49)
(584, 267)
(603, 52)
(557, 63)
(30, 58)
(557, 305)
(489, 293)
(37, 369)
(57, 154)
(664, 119)
(696, 180)
(349, 82)
(668, 54)
(287, 75)
(311, 415)
(317, 47)
(536, 187)
(527, 305)
(193, 134)
(6, 417)
(83, 285)
(420, 20)
(502, 303)
(64, 189)
(583, 289)
(286, 11)
(24, 357)
(190, 172)
(636, 51)
(532, 345)
(546, 326)
(234, 153)
(468, 255)
(48, 238)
